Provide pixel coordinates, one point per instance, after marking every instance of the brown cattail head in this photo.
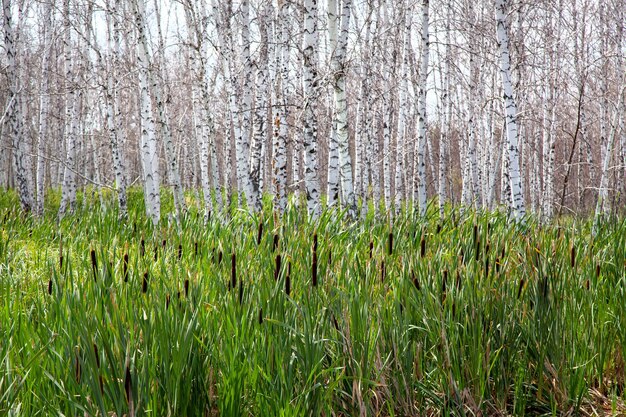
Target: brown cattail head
(50, 286)
(587, 285)
(144, 285)
(219, 258)
(186, 287)
(195, 249)
(416, 282)
(288, 285)
(156, 252)
(477, 254)
(97, 355)
(519, 289)
(383, 271)
(278, 264)
(180, 251)
(240, 292)
(77, 369)
(142, 247)
(598, 270)
(125, 267)
(314, 270)
(423, 247)
(371, 249)
(60, 251)
(444, 283)
(261, 315)
(497, 265)
(487, 247)
(390, 248)
(335, 323)
(572, 258)
(486, 267)
(259, 234)
(438, 228)
(475, 232)
(167, 301)
(233, 271)
(94, 263)
(164, 243)
(128, 385)
(314, 242)
(275, 243)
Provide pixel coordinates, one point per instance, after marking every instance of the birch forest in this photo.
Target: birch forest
(313, 208)
(367, 105)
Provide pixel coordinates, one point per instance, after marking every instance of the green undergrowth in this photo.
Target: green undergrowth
(267, 315)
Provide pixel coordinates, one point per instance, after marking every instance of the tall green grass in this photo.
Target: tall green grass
(466, 315)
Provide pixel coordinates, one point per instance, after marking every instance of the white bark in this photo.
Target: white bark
(14, 116)
(149, 154)
(279, 144)
(72, 97)
(44, 109)
(517, 193)
(420, 165)
(310, 81)
(260, 114)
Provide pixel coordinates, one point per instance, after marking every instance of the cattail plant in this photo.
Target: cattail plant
(128, 388)
(260, 315)
(60, 252)
(142, 247)
(288, 280)
(371, 249)
(50, 286)
(94, 265)
(259, 234)
(444, 282)
(186, 287)
(195, 249)
(275, 243)
(314, 264)
(382, 271)
(240, 291)
(180, 251)
(144, 284)
(233, 271)
(277, 269)
(416, 282)
(390, 248)
(438, 228)
(423, 247)
(125, 267)
(520, 287)
(167, 301)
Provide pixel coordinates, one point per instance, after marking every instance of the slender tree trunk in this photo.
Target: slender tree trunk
(149, 154)
(309, 50)
(420, 165)
(14, 116)
(44, 109)
(517, 193)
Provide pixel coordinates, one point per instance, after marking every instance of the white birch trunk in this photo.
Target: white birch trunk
(112, 99)
(14, 116)
(517, 193)
(420, 165)
(310, 81)
(279, 144)
(339, 43)
(260, 113)
(149, 154)
(44, 109)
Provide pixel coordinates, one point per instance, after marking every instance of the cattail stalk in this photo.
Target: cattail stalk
(233, 271)
(278, 265)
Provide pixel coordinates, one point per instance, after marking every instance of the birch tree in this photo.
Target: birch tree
(517, 194)
(22, 163)
(149, 153)
(310, 82)
(420, 164)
